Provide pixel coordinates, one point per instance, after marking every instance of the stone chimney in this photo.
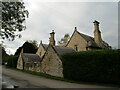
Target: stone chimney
(97, 33)
(41, 42)
(51, 39)
(75, 29)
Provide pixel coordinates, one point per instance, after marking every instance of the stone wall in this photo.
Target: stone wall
(20, 62)
(40, 50)
(79, 41)
(32, 66)
(51, 63)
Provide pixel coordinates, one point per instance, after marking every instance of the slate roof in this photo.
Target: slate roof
(60, 50)
(45, 46)
(89, 39)
(31, 57)
(91, 42)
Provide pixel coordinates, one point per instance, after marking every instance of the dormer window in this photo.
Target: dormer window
(75, 47)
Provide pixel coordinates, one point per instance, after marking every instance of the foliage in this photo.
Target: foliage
(34, 42)
(93, 66)
(64, 40)
(27, 48)
(4, 55)
(12, 61)
(13, 17)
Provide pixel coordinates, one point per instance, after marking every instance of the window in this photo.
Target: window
(75, 47)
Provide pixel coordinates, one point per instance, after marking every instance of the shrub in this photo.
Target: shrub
(12, 61)
(92, 66)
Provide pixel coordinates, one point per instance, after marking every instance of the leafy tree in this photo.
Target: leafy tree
(34, 42)
(27, 48)
(64, 40)
(13, 16)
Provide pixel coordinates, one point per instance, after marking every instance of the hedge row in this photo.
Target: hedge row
(12, 61)
(92, 66)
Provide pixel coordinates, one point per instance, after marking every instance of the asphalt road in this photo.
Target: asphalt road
(15, 82)
(25, 80)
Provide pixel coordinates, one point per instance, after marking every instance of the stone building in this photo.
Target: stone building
(48, 57)
(51, 63)
(29, 62)
(82, 42)
(42, 49)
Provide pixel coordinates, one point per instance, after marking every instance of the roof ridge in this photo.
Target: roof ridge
(85, 35)
(45, 47)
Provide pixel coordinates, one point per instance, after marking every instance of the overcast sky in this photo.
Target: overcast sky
(63, 17)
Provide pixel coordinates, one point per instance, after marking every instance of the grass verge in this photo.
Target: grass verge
(42, 74)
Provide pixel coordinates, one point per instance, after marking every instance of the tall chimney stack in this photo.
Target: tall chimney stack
(97, 33)
(51, 39)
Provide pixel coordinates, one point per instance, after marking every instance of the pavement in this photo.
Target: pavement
(45, 82)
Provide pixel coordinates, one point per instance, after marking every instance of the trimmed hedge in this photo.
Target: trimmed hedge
(92, 66)
(12, 61)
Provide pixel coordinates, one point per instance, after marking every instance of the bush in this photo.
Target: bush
(12, 61)
(92, 66)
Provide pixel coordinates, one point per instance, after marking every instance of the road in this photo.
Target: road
(25, 80)
(21, 83)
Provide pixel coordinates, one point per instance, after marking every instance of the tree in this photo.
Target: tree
(27, 48)
(64, 40)
(34, 42)
(13, 16)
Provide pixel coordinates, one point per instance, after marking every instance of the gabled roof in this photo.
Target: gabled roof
(87, 38)
(30, 57)
(91, 42)
(45, 46)
(60, 50)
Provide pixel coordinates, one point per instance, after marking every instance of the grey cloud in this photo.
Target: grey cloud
(63, 17)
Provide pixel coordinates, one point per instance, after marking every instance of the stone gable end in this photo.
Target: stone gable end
(51, 63)
(77, 40)
(40, 50)
(20, 63)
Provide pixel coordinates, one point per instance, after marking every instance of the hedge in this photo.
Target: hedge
(12, 61)
(102, 66)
